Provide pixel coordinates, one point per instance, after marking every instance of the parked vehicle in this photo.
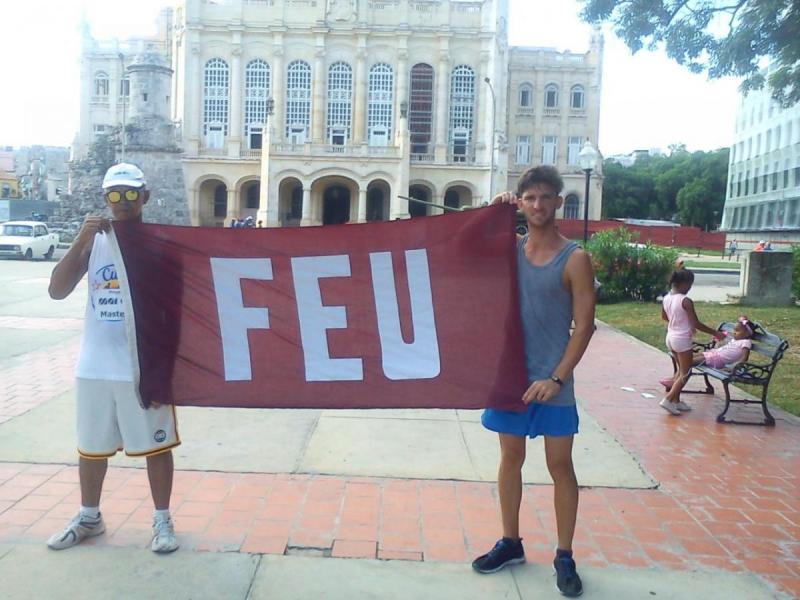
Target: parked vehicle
(27, 239)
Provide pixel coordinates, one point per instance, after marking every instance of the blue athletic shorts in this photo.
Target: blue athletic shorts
(540, 419)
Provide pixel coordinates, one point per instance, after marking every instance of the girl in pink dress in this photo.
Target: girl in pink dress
(735, 350)
(678, 310)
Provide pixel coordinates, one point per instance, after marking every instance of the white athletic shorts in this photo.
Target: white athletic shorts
(110, 419)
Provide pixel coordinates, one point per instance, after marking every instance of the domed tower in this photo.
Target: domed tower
(151, 83)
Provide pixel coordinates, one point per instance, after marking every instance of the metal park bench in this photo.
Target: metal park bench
(768, 349)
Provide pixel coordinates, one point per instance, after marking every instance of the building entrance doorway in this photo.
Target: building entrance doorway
(335, 205)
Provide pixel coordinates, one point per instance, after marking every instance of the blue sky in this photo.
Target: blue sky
(648, 101)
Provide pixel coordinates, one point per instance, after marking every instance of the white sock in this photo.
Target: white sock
(93, 512)
(161, 515)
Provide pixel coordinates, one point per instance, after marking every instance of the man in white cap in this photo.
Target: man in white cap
(109, 415)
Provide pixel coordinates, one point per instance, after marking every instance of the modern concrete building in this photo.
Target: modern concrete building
(763, 197)
(328, 111)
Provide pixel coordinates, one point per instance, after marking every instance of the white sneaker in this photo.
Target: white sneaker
(78, 529)
(670, 407)
(682, 406)
(164, 540)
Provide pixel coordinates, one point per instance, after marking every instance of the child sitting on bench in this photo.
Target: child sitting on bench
(735, 350)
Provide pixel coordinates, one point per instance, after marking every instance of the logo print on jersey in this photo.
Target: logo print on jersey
(105, 294)
(160, 436)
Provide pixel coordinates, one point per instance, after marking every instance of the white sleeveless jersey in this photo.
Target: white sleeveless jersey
(104, 347)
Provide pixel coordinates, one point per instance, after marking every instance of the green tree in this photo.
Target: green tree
(718, 37)
(686, 186)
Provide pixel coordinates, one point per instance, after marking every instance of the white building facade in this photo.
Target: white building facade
(763, 196)
(105, 82)
(305, 112)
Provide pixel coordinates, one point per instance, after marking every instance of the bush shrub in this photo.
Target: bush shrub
(796, 271)
(628, 270)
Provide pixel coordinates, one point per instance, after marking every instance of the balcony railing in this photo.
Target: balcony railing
(212, 151)
(345, 150)
(422, 157)
(552, 112)
(461, 154)
(525, 111)
(250, 153)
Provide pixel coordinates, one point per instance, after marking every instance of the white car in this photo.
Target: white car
(27, 239)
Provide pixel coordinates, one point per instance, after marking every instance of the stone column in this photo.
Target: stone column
(442, 100)
(193, 195)
(278, 93)
(306, 216)
(193, 103)
(360, 89)
(233, 205)
(265, 199)
(273, 207)
(401, 84)
(318, 95)
(235, 109)
(398, 208)
(362, 204)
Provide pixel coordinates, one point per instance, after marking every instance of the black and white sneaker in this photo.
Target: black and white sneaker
(505, 552)
(567, 580)
(78, 529)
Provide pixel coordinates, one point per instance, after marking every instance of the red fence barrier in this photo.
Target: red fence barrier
(683, 236)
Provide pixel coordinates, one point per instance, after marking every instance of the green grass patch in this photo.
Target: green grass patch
(699, 264)
(643, 321)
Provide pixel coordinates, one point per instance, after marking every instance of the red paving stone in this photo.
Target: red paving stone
(729, 496)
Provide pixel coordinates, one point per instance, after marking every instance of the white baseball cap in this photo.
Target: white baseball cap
(124, 174)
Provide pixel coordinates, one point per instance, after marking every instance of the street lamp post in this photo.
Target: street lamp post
(587, 159)
(494, 112)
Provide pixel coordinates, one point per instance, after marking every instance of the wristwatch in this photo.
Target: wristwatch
(557, 379)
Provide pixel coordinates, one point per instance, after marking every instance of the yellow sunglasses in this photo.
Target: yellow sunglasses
(115, 196)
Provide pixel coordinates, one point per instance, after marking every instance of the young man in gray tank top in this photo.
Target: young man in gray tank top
(556, 287)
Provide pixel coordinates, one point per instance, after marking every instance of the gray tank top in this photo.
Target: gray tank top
(546, 309)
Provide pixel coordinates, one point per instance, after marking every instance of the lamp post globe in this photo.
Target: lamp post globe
(587, 160)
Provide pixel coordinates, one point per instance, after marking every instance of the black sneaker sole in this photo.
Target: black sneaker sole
(508, 563)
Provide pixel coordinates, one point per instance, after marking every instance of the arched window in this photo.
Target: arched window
(462, 109)
(577, 97)
(379, 109)
(551, 96)
(215, 101)
(572, 207)
(340, 102)
(298, 101)
(420, 111)
(526, 95)
(256, 92)
(101, 83)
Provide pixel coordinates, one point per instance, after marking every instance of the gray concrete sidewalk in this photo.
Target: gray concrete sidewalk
(32, 572)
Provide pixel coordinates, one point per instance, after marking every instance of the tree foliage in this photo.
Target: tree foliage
(719, 37)
(689, 187)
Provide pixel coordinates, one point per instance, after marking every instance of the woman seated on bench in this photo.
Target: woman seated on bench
(735, 350)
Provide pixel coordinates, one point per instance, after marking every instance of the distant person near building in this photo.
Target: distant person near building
(733, 250)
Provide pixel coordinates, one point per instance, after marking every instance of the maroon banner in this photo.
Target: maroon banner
(419, 313)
